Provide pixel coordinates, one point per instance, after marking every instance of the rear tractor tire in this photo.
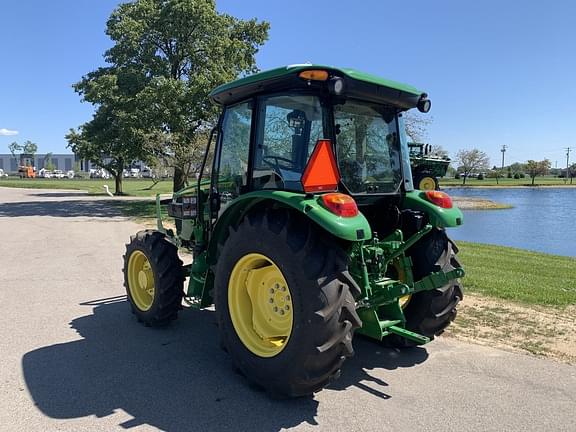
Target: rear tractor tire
(153, 278)
(285, 303)
(427, 182)
(430, 312)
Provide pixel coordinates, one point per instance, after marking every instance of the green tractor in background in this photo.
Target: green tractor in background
(305, 228)
(427, 168)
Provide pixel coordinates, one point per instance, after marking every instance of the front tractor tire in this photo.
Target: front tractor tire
(285, 303)
(153, 278)
(430, 312)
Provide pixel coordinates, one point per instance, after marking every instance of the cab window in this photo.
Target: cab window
(289, 126)
(235, 145)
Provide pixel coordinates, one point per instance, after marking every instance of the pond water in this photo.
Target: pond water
(543, 219)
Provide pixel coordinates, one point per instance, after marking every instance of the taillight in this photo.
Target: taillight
(441, 199)
(340, 204)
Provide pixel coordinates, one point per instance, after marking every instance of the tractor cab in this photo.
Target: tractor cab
(273, 121)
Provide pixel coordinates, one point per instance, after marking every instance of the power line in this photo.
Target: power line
(568, 149)
(503, 150)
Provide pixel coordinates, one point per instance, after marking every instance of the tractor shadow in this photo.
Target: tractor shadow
(371, 355)
(175, 378)
(93, 208)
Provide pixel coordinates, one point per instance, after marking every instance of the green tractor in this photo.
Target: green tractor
(427, 168)
(306, 231)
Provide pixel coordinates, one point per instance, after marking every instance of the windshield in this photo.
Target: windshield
(368, 147)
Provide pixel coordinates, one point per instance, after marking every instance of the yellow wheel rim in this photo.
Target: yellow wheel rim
(260, 304)
(427, 183)
(140, 280)
(404, 300)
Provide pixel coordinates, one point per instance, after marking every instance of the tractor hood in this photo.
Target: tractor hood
(354, 84)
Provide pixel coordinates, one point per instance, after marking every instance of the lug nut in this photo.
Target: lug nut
(271, 290)
(287, 307)
(276, 286)
(281, 311)
(271, 300)
(275, 308)
(287, 298)
(283, 288)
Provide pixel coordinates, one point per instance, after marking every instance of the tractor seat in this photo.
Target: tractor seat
(267, 179)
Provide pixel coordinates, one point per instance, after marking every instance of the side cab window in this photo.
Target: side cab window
(232, 162)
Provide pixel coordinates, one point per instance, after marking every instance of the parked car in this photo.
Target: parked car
(147, 173)
(70, 174)
(2, 173)
(44, 173)
(99, 173)
(59, 174)
(131, 173)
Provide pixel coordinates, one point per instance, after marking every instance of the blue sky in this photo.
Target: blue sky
(497, 72)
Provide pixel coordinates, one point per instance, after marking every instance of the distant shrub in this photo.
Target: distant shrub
(457, 176)
(480, 176)
(509, 174)
(516, 176)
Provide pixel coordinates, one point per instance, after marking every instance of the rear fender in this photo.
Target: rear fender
(438, 216)
(352, 229)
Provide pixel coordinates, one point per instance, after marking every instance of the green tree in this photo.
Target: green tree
(167, 55)
(26, 152)
(536, 168)
(47, 162)
(470, 161)
(517, 167)
(108, 141)
(29, 147)
(14, 149)
(572, 172)
(496, 173)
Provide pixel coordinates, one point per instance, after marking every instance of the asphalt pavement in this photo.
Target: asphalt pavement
(73, 358)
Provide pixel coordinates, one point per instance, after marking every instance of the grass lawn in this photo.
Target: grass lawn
(518, 275)
(134, 187)
(499, 272)
(506, 182)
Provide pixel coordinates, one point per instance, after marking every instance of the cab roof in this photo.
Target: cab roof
(374, 86)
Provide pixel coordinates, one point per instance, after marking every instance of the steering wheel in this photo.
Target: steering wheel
(276, 162)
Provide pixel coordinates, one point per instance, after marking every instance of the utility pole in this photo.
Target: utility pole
(568, 149)
(503, 150)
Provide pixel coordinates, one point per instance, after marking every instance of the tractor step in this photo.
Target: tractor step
(414, 337)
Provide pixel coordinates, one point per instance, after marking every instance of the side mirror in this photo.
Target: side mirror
(424, 104)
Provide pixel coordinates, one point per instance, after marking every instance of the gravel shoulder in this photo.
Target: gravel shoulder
(540, 331)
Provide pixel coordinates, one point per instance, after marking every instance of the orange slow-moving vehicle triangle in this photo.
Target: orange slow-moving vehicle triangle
(321, 173)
